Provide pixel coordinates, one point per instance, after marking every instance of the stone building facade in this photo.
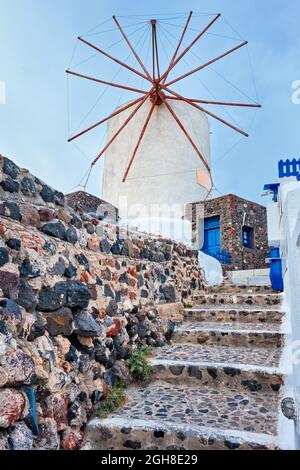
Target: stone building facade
(242, 230)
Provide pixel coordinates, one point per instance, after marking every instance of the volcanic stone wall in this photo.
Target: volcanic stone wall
(75, 298)
(234, 213)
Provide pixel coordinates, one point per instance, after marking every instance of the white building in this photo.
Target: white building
(284, 232)
(163, 177)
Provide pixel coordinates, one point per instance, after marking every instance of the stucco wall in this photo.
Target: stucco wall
(164, 170)
(284, 223)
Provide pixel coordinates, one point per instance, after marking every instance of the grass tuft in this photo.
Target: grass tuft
(114, 400)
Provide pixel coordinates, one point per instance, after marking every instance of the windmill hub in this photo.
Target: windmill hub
(156, 95)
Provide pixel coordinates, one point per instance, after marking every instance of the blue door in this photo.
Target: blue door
(212, 236)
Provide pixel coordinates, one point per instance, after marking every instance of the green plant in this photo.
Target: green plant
(138, 366)
(114, 400)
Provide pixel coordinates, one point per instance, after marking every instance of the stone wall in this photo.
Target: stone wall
(76, 297)
(235, 212)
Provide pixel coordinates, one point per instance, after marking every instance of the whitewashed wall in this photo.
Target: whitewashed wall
(284, 231)
(163, 173)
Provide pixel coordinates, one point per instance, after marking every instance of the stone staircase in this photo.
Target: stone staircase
(218, 385)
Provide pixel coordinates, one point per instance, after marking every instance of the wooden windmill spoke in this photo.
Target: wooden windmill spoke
(178, 47)
(208, 63)
(221, 103)
(181, 98)
(171, 66)
(132, 49)
(140, 139)
(106, 83)
(114, 59)
(155, 57)
(122, 127)
(162, 97)
(105, 119)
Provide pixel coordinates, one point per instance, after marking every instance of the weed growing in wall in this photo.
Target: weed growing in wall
(138, 365)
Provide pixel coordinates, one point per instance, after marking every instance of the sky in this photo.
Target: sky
(38, 42)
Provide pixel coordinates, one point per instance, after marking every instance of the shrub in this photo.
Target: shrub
(114, 400)
(138, 366)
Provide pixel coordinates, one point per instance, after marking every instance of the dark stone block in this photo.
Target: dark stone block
(123, 278)
(145, 253)
(169, 293)
(72, 294)
(276, 387)
(213, 372)
(28, 186)
(28, 270)
(10, 186)
(10, 168)
(105, 246)
(90, 228)
(176, 370)
(14, 244)
(9, 310)
(71, 271)
(49, 248)
(11, 210)
(51, 299)
(159, 434)
(71, 235)
(77, 222)
(55, 229)
(108, 291)
(72, 355)
(144, 294)
(4, 257)
(59, 268)
(38, 328)
(135, 445)
(60, 322)
(116, 248)
(9, 284)
(231, 445)
(112, 308)
(47, 194)
(77, 294)
(26, 297)
(83, 261)
(194, 371)
(59, 198)
(231, 371)
(125, 249)
(252, 385)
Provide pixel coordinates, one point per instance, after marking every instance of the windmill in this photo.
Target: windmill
(160, 127)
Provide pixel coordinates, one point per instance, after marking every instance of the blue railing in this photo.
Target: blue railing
(289, 168)
(222, 256)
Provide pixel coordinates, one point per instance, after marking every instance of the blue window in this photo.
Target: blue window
(248, 237)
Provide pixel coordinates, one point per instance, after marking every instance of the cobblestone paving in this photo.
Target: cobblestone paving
(268, 357)
(223, 409)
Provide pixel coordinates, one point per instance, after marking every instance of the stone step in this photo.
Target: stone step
(243, 289)
(234, 299)
(221, 366)
(166, 416)
(234, 314)
(225, 334)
